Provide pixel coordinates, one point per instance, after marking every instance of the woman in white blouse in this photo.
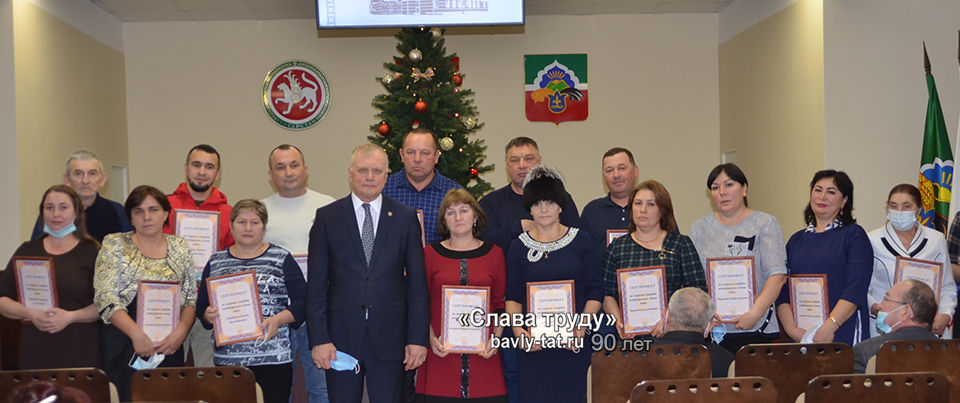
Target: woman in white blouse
(904, 236)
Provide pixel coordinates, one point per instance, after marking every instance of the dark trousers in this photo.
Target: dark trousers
(274, 381)
(116, 349)
(384, 378)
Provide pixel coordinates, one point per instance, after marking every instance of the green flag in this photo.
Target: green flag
(936, 161)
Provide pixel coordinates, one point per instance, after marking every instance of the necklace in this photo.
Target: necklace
(637, 237)
(540, 250)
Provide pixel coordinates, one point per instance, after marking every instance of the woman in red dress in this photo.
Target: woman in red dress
(461, 260)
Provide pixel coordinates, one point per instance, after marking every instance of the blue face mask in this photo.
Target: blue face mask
(882, 325)
(717, 333)
(345, 362)
(60, 233)
(138, 363)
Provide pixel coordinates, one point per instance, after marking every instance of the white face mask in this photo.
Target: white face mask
(902, 220)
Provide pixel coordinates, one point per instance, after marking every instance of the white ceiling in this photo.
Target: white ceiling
(202, 10)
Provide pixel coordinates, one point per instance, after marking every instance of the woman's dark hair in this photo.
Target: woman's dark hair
(79, 219)
(844, 185)
(909, 190)
(662, 197)
(139, 194)
(732, 171)
(455, 196)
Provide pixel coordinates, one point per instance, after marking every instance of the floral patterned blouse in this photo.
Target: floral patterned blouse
(121, 266)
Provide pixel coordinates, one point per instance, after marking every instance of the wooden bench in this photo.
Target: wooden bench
(941, 356)
(612, 377)
(211, 384)
(879, 388)
(749, 389)
(792, 365)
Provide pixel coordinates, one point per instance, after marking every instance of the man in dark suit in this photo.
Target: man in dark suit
(906, 313)
(689, 315)
(367, 294)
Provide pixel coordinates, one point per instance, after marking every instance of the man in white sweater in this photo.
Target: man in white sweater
(290, 214)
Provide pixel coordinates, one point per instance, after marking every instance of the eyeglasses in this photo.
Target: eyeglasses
(896, 302)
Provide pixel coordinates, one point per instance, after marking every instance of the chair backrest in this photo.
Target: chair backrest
(614, 376)
(91, 381)
(792, 365)
(942, 356)
(213, 384)
(749, 389)
(880, 388)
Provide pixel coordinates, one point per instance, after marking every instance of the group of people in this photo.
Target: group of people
(352, 289)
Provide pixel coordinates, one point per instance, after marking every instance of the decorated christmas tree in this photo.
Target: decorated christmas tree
(423, 87)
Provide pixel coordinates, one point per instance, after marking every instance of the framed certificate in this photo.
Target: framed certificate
(36, 282)
(201, 230)
(457, 301)
(237, 301)
(808, 299)
(423, 234)
(732, 285)
(643, 298)
(302, 262)
(552, 298)
(926, 271)
(614, 234)
(158, 308)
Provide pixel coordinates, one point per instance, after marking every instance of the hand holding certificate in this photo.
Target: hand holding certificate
(643, 299)
(458, 301)
(236, 299)
(808, 299)
(36, 283)
(732, 286)
(930, 273)
(158, 308)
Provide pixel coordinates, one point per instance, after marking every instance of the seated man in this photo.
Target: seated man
(688, 318)
(906, 313)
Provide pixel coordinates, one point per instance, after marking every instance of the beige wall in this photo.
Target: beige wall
(771, 108)
(69, 94)
(876, 96)
(9, 172)
(653, 84)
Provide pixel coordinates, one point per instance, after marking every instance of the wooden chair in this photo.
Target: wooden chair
(879, 388)
(91, 381)
(612, 377)
(792, 365)
(213, 384)
(751, 389)
(942, 356)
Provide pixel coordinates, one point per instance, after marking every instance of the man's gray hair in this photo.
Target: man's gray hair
(690, 308)
(83, 154)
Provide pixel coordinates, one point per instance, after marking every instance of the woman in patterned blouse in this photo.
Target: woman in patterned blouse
(282, 293)
(127, 258)
(653, 241)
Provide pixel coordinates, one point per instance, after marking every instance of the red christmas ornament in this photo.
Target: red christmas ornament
(416, 124)
(456, 115)
(420, 106)
(457, 80)
(384, 129)
(474, 172)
